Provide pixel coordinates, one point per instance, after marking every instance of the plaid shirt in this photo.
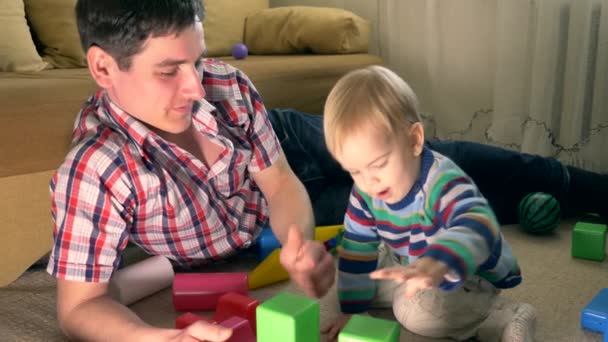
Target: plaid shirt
(122, 182)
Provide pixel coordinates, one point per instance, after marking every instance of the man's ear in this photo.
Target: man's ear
(102, 66)
(416, 134)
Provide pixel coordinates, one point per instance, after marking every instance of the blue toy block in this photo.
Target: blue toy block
(266, 243)
(595, 314)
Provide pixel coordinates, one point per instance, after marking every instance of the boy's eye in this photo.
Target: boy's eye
(379, 166)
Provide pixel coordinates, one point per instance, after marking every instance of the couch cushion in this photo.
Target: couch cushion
(17, 49)
(295, 29)
(301, 82)
(43, 104)
(54, 23)
(224, 23)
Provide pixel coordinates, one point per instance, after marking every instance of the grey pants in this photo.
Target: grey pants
(436, 313)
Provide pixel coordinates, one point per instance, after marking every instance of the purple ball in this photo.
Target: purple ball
(239, 51)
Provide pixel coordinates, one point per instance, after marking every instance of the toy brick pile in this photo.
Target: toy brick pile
(588, 242)
(285, 317)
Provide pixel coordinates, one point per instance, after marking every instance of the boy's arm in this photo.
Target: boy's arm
(472, 233)
(358, 256)
(87, 313)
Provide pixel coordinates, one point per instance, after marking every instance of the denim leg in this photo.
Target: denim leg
(504, 177)
(302, 140)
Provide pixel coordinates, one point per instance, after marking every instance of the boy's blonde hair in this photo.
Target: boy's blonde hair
(373, 96)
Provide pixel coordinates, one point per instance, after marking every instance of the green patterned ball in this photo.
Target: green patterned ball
(539, 213)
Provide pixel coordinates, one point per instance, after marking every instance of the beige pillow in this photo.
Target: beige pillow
(224, 23)
(295, 29)
(54, 23)
(17, 49)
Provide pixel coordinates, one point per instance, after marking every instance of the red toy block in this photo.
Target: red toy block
(188, 318)
(241, 331)
(235, 304)
(201, 291)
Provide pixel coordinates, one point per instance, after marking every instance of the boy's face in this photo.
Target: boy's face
(382, 166)
(163, 82)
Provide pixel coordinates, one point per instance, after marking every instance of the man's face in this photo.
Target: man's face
(164, 81)
(382, 166)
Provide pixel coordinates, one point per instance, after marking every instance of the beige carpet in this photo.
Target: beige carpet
(556, 284)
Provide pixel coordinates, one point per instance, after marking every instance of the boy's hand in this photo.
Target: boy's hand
(309, 265)
(332, 330)
(201, 331)
(423, 273)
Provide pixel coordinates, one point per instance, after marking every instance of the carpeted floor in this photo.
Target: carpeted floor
(555, 283)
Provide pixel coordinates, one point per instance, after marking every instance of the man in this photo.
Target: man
(187, 169)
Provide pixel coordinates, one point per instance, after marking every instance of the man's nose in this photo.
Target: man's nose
(192, 86)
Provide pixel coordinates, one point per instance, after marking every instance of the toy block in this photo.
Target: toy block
(266, 243)
(241, 330)
(369, 329)
(288, 318)
(188, 318)
(236, 304)
(268, 272)
(324, 233)
(588, 241)
(595, 314)
(201, 291)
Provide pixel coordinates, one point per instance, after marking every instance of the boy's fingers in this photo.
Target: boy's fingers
(397, 273)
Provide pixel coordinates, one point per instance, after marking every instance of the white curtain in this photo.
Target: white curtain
(531, 75)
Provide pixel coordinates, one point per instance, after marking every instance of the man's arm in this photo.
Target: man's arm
(87, 313)
(309, 265)
(287, 199)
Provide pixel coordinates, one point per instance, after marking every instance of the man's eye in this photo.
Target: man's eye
(168, 74)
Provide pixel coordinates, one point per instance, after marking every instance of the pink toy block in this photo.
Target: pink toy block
(235, 304)
(201, 291)
(188, 318)
(241, 331)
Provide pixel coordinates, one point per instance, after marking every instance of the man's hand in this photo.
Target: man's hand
(201, 331)
(332, 330)
(423, 273)
(309, 265)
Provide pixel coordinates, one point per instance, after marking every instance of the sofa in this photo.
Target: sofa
(296, 55)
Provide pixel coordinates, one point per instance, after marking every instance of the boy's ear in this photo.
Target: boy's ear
(416, 134)
(101, 66)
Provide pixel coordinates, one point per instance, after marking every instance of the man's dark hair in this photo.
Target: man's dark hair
(120, 27)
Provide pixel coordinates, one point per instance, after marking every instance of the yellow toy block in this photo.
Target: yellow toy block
(324, 233)
(268, 272)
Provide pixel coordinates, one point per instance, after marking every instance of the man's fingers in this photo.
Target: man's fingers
(291, 248)
(204, 331)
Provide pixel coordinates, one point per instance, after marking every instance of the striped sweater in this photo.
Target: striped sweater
(444, 216)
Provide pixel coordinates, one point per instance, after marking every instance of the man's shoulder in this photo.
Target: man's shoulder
(218, 69)
(96, 149)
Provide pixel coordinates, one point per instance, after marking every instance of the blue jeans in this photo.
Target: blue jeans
(504, 177)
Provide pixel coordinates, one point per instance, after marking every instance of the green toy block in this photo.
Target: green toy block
(369, 329)
(288, 318)
(588, 241)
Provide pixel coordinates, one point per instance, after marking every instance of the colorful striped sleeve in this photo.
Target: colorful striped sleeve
(358, 256)
(471, 232)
